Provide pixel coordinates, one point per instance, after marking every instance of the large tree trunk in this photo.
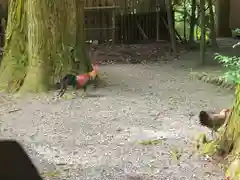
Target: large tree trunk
(229, 141)
(40, 44)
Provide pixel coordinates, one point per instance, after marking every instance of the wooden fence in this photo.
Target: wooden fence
(125, 21)
(138, 28)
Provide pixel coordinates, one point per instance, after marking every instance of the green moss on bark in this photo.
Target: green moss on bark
(232, 132)
(36, 79)
(14, 63)
(229, 139)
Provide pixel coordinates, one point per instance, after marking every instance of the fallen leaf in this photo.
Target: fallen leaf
(51, 174)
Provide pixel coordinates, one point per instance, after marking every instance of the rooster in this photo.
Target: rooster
(213, 120)
(77, 81)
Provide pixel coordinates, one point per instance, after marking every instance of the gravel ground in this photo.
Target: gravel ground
(98, 137)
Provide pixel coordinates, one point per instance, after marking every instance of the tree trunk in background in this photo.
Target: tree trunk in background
(184, 21)
(39, 44)
(203, 32)
(212, 26)
(171, 27)
(222, 18)
(192, 21)
(4, 9)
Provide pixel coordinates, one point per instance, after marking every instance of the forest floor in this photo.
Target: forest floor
(107, 135)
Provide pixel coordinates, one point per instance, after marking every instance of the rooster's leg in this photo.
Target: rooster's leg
(84, 91)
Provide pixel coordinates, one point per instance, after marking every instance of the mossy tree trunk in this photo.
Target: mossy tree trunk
(14, 63)
(40, 43)
(229, 140)
(37, 72)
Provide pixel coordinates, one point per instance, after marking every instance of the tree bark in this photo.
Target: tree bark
(40, 39)
(36, 79)
(15, 61)
(229, 140)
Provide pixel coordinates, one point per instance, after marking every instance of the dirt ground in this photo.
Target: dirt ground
(106, 135)
(99, 137)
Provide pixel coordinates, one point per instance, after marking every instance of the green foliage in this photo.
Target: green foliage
(182, 11)
(210, 148)
(176, 154)
(232, 65)
(237, 31)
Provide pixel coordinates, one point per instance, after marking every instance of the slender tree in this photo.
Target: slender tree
(212, 26)
(192, 21)
(203, 32)
(171, 26)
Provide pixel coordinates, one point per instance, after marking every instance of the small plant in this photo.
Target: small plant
(176, 154)
(233, 68)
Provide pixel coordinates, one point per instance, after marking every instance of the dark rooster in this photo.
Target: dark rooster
(213, 120)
